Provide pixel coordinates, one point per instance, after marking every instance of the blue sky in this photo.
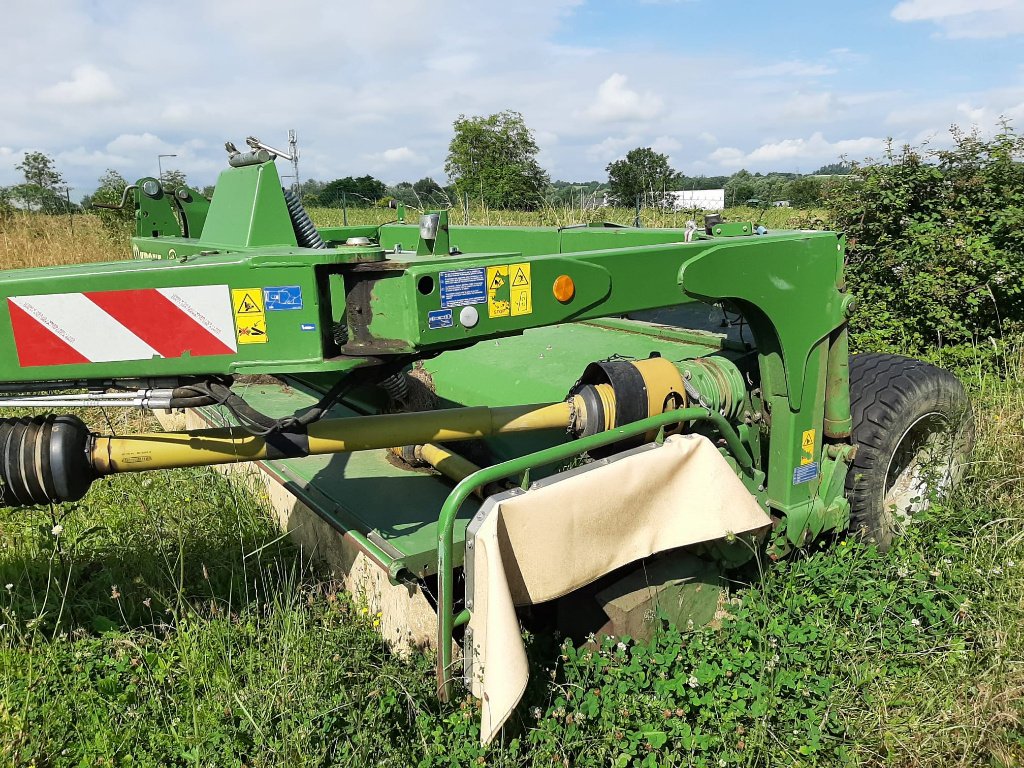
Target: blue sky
(374, 87)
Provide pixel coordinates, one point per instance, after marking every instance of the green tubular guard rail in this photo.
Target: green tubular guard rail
(446, 621)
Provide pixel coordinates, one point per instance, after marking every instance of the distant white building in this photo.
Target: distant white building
(705, 199)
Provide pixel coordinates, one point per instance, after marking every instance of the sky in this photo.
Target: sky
(373, 87)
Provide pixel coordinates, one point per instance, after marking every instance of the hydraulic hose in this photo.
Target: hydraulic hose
(306, 233)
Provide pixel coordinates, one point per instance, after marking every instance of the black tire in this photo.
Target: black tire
(913, 427)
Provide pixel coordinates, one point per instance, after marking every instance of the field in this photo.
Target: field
(553, 216)
(163, 620)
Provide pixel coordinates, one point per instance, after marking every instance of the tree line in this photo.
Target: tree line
(492, 161)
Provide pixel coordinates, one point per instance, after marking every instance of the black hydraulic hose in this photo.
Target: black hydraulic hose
(218, 392)
(306, 233)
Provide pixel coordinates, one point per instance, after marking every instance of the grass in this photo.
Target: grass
(563, 216)
(164, 621)
(31, 240)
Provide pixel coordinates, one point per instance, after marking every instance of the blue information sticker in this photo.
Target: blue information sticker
(805, 473)
(307, 326)
(282, 297)
(463, 287)
(439, 318)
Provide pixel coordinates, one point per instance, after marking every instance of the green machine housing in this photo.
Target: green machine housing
(486, 319)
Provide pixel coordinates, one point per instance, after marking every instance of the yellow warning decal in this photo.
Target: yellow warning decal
(499, 295)
(250, 320)
(807, 443)
(521, 289)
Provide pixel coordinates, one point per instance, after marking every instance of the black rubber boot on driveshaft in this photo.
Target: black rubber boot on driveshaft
(913, 427)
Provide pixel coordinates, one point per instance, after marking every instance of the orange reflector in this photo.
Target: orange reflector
(564, 288)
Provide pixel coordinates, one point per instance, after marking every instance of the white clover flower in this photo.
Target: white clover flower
(902, 572)
(620, 645)
(693, 682)
(10, 587)
(997, 571)
(57, 530)
(536, 713)
(916, 622)
(1010, 564)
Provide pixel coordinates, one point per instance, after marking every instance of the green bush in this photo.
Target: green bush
(935, 252)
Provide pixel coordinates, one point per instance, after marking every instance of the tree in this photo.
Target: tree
(109, 192)
(741, 187)
(934, 250)
(805, 192)
(576, 194)
(643, 173)
(173, 179)
(42, 188)
(404, 193)
(359, 192)
(494, 159)
(834, 169)
(427, 187)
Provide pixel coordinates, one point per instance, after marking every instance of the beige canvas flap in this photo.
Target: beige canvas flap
(556, 538)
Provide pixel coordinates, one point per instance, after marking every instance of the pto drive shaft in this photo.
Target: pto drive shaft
(52, 459)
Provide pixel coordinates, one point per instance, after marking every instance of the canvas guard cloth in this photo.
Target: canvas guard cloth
(551, 540)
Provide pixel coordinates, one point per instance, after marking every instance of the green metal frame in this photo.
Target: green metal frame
(792, 426)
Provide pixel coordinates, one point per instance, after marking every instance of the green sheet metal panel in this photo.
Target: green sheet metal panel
(396, 508)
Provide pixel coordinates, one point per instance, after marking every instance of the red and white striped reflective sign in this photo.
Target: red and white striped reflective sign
(108, 326)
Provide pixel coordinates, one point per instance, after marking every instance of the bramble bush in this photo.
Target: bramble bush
(935, 252)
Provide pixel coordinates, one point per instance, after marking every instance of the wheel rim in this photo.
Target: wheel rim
(923, 465)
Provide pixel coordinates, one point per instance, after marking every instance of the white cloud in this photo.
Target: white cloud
(787, 153)
(400, 155)
(88, 85)
(616, 102)
(794, 68)
(139, 144)
(966, 18)
(728, 157)
(666, 144)
(78, 93)
(930, 10)
(612, 148)
(811, 106)
(403, 159)
(453, 64)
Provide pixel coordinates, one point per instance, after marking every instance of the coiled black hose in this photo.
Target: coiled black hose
(397, 387)
(306, 233)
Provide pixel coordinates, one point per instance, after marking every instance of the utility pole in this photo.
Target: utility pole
(293, 149)
(160, 168)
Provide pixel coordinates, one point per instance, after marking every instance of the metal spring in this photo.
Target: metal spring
(397, 386)
(340, 333)
(305, 231)
(693, 393)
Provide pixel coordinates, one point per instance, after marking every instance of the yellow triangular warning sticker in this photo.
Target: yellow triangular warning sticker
(497, 281)
(520, 278)
(248, 306)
